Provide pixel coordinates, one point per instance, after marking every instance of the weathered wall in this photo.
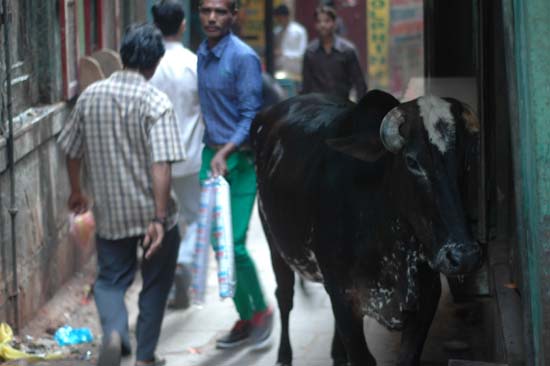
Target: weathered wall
(531, 144)
(46, 258)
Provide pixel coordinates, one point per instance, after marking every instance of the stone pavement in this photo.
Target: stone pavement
(188, 337)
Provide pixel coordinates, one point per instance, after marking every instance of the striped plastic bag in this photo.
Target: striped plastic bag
(202, 245)
(214, 228)
(223, 235)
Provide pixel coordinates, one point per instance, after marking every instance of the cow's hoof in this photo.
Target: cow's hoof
(283, 364)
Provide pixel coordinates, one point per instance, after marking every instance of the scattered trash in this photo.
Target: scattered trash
(66, 335)
(86, 356)
(8, 352)
(87, 294)
(194, 351)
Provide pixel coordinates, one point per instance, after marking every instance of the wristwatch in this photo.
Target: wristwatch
(160, 220)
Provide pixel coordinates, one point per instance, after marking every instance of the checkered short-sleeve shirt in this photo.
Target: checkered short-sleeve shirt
(120, 127)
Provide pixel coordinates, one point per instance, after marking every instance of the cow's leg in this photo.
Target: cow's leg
(338, 350)
(284, 293)
(349, 322)
(418, 323)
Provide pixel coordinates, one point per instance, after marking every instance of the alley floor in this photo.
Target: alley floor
(188, 336)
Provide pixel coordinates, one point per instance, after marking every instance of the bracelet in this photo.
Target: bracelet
(160, 220)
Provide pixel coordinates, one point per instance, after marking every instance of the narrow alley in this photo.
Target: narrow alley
(188, 336)
(434, 111)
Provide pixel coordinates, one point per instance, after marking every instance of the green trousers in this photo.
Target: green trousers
(241, 177)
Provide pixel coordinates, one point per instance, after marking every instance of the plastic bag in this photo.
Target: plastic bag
(200, 261)
(214, 223)
(8, 353)
(82, 227)
(223, 234)
(67, 335)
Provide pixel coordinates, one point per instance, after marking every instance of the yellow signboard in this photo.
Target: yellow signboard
(252, 18)
(378, 38)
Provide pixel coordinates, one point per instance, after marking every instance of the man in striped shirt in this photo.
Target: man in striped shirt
(124, 131)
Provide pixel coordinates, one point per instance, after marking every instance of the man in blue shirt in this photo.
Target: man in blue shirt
(230, 92)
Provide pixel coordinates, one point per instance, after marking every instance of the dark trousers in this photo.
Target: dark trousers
(117, 265)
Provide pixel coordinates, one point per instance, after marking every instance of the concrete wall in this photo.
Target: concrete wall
(46, 258)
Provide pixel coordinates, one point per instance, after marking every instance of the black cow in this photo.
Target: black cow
(367, 199)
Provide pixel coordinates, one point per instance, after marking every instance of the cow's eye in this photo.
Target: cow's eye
(413, 166)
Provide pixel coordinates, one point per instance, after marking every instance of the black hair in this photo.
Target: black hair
(168, 15)
(281, 10)
(233, 6)
(142, 47)
(323, 9)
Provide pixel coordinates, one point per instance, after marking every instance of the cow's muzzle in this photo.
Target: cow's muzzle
(458, 258)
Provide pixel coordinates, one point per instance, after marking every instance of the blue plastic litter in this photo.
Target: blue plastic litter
(66, 335)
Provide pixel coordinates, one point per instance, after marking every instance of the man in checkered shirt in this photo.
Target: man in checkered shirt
(124, 131)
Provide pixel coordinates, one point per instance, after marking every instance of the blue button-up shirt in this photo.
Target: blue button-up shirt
(230, 90)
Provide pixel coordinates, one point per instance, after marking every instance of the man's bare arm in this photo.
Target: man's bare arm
(78, 202)
(218, 165)
(162, 176)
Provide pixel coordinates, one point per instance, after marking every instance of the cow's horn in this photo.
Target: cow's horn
(389, 130)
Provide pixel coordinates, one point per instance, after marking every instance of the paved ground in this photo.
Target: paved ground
(188, 337)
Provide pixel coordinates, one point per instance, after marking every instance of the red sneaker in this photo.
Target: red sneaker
(262, 326)
(239, 334)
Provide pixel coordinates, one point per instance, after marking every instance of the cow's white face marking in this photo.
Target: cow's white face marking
(438, 121)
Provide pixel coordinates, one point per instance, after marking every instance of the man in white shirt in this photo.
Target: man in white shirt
(176, 76)
(290, 43)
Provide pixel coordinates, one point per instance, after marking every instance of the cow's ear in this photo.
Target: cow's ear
(353, 147)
